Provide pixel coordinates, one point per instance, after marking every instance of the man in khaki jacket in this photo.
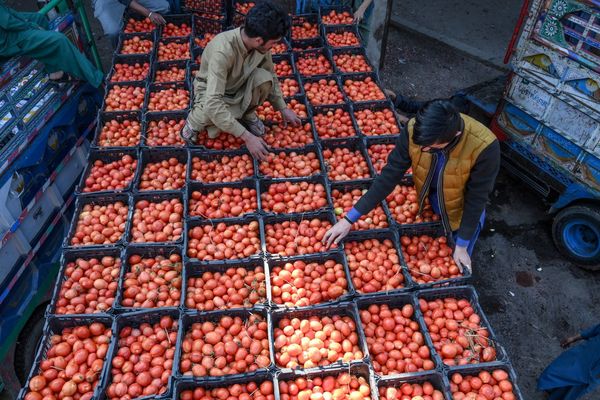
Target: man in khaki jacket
(236, 75)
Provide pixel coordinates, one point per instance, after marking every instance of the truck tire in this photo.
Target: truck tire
(27, 343)
(576, 233)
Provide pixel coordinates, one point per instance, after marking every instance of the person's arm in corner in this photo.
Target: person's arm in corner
(391, 175)
(10, 20)
(479, 186)
(156, 18)
(359, 14)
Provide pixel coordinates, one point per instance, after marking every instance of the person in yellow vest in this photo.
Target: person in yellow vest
(455, 160)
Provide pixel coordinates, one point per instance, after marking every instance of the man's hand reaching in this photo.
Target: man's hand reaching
(256, 146)
(156, 18)
(289, 116)
(462, 259)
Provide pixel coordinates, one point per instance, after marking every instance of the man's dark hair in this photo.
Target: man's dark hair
(267, 21)
(436, 122)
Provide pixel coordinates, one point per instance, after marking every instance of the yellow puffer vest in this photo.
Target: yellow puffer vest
(475, 138)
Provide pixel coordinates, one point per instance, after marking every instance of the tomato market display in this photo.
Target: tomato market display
(136, 45)
(171, 29)
(164, 132)
(228, 346)
(429, 259)
(302, 284)
(160, 221)
(243, 391)
(456, 331)
(279, 48)
(290, 238)
(152, 282)
(363, 90)
(100, 224)
(211, 6)
(403, 204)
(225, 202)
(222, 169)
(289, 165)
(294, 197)
(394, 340)
(115, 176)
(235, 287)
(282, 137)
(313, 64)
(143, 363)
(344, 200)
(173, 50)
(243, 8)
(283, 68)
(376, 122)
(130, 72)
(342, 386)
(124, 98)
(89, 285)
(374, 265)
(484, 385)
(323, 92)
(425, 391)
(289, 87)
(344, 164)
(334, 123)
(305, 30)
(203, 41)
(71, 368)
(139, 26)
(223, 242)
(171, 99)
(267, 112)
(167, 174)
(342, 39)
(337, 18)
(378, 153)
(125, 133)
(170, 74)
(331, 339)
(350, 63)
(223, 141)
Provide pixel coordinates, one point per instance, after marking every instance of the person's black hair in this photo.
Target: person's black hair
(437, 122)
(267, 21)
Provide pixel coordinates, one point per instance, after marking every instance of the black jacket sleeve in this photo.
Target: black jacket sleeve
(391, 175)
(125, 2)
(480, 184)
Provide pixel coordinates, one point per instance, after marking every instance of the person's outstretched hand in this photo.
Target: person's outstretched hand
(290, 117)
(256, 146)
(359, 14)
(157, 19)
(336, 233)
(462, 259)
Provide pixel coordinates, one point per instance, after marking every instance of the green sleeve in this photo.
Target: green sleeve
(11, 21)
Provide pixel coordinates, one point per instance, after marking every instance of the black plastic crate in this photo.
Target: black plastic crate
(104, 118)
(156, 155)
(135, 319)
(157, 197)
(298, 218)
(434, 379)
(209, 6)
(216, 157)
(343, 188)
(397, 301)
(318, 110)
(299, 151)
(320, 259)
(141, 107)
(464, 292)
(338, 29)
(325, 10)
(178, 20)
(434, 230)
(55, 325)
(166, 65)
(264, 185)
(353, 145)
(475, 369)
(167, 41)
(341, 309)
(196, 55)
(195, 270)
(191, 317)
(298, 46)
(69, 256)
(375, 106)
(208, 22)
(375, 141)
(361, 77)
(158, 117)
(187, 385)
(131, 61)
(145, 251)
(298, 20)
(290, 60)
(102, 200)
(256, 256)
(209, 188)
(328, 79)
(354, 51)
(107, 156)
(157, 87)
(381, 236)
(123, 37)
(283, 48)
(312, 54)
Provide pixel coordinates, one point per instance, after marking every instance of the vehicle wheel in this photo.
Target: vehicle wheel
(576, 233)
(27, 344)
